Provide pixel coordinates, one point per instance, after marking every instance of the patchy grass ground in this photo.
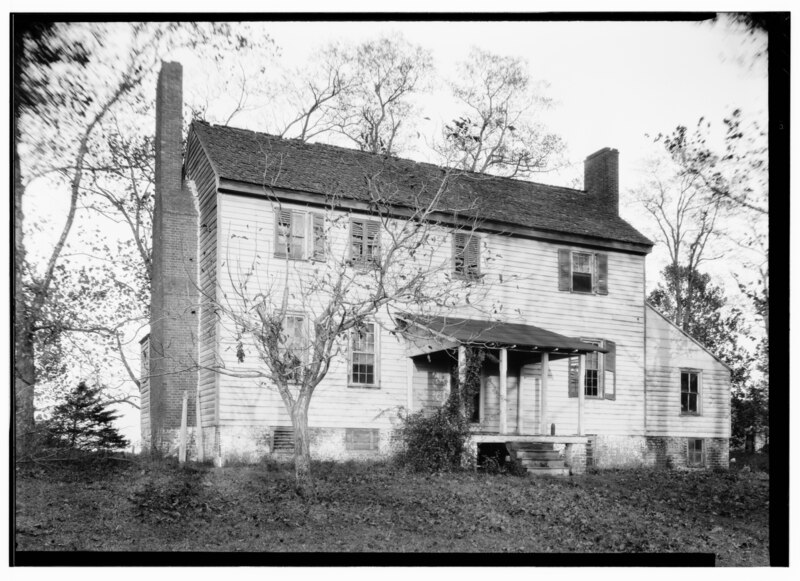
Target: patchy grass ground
(373, 507)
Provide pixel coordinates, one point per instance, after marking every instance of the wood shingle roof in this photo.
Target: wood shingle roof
(253, 158)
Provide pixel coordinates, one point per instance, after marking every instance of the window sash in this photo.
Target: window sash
(690, 392)
(695, 452)
(363, 356)
(365, 242)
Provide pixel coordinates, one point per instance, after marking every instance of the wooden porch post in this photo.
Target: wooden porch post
(520, 401)
(503, 391)
(581, 390)
(543, 395)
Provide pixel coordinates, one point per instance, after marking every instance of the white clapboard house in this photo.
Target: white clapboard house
(579, 369)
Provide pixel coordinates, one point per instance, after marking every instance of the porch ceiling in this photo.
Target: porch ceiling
(496, 334)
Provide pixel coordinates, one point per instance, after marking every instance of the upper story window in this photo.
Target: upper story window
(365, 242)
(600, 373)
(690, 392)
(364, 356)
(582, 272)
(466, 255)
(299, 235)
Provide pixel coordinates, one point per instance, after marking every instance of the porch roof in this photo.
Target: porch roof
(498, 334)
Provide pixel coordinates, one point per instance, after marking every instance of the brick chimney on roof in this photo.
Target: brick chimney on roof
(174, 293)
(601, 177)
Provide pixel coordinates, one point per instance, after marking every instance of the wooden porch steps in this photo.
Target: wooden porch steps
(538, 458)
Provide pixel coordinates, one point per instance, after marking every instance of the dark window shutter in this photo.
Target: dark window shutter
(610, 380)
(283, 232)
(601, 264)
(564, 270)
(472, 256)
(373, 242)
(459, 241)
(574, 372)
(356, 241)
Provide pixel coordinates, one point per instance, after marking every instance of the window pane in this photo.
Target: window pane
(582, 262)
(582, 282)
(693, 382)
(684, 402)
(684, 381)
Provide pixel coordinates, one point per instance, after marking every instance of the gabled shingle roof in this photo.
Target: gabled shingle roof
(257, 158)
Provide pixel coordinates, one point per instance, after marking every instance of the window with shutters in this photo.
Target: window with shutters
(466, 255)
(600, 380)
(365, 243)
(295, 346)
(361, 440)
(690, 392)
(364, 356)
(289, 234)
(694, 456)
(582, 272)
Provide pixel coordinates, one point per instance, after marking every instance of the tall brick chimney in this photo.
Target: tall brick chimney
(601, 177)
(174, 292)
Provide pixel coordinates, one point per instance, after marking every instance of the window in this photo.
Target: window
(690, 390)
(318, 236)
(365, 243)
(363, 356)
(582, 272)
(295, 344)
(592, 379)
(290, 235)
(600, 380)
(364, 440)
(694, 456)
(466, 255)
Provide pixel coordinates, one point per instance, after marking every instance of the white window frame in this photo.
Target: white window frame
(601, 368)
(307, 248)
(592, 271)
(699, 402)
(376, 355)
(690, 453)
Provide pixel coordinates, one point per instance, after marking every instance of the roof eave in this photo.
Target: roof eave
(229, 186)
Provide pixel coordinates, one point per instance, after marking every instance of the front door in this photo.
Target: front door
(531, 398)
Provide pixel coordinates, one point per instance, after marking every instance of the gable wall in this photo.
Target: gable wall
(527, 294)
(669, 350)
(200, 172)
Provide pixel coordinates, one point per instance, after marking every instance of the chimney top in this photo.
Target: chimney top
(601, 177)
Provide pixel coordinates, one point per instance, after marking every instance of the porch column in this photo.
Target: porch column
(543, 394)
(581, 390)
(462, 364)
(503, 390)
(520, 401)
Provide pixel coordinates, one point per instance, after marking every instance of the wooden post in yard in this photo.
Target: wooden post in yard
(184, 412)
(503, 390)
(199, 429)
(581, 390)
(543, 395)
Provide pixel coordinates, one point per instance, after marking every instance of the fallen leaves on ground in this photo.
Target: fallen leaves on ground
(376, 507)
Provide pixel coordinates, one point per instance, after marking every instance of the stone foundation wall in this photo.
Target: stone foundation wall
(654, 451)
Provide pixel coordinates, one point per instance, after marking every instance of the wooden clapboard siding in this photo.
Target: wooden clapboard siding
(198, 169)
(528, 294)
(668, 351)
(429, 389)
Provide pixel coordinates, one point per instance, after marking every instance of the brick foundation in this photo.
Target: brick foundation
(654, 451)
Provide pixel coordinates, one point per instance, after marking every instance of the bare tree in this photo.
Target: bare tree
(292, 322)
(685, 222)
(70, 79)
(499, 130)
(385, 73)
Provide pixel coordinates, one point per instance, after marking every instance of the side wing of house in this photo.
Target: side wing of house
(688, 392)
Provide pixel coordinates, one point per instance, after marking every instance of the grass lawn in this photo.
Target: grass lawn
(149, 506)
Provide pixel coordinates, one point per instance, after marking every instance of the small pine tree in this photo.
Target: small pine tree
(82, 422)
